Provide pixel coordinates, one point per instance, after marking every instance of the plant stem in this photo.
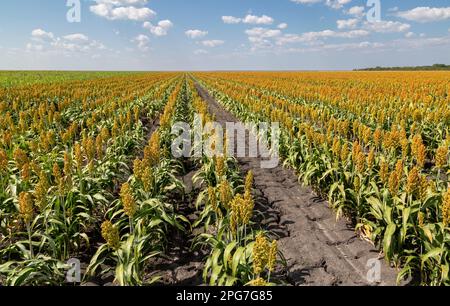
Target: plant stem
(29, 240)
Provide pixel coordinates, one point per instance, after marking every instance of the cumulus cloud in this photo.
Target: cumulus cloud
(313, 37)
(76, 37)
(122, 10)
(387, 26)
(252, 19)
(347, 24)
(161, 29)
(357, 11)
(78, 42)
(426, 14)
(283, 26)
(39, 34)
(142, 41)
(231, 20)
(335, 4)
(249, 19)
(195, 34)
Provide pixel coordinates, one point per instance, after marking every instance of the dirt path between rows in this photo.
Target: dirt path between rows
(319, 250)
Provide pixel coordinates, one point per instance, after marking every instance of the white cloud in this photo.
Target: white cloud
(47, 41)
(347, 24)
(122, 13)
(122, 10)
(76, 37)
(249, 19)
(212, 43)
(252, 19)
(195, 34)
(142, 42)
(410, 35)
(357, 11)
(161, 29)
(426, 14)
(283, 26)
(231, 20)
(387, 26)
(39, 34)
(261, 32)
(335, 4)
(262, 37)
(314, 37)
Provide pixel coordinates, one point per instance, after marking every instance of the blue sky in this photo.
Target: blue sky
(222, 34)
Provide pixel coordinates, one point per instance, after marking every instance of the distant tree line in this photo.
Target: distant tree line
(435, 67)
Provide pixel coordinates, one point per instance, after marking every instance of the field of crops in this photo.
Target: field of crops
(87, 174)
(374, 144)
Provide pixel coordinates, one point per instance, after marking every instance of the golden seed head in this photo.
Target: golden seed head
(235, 213)
(357, 183)
(413, 181)
(3, 161)
(377, 137)
(260, 254)
(421, 156)
(441, 157)
(371, 159)
(384, 171)
(394, 183)
(220, 166)
(446, 208)
(67, 164)
(272, 258)
(90, 149)
(128, 202)
(247, 208)
(40, 191)
(152, 153)
(26, 206)
(405, 147)
(423, 187)
(226, 193)
(111, 235)
(147, 178)
(78, 152)
(259, 282)
(20, 157)
(399, 169)
(336, 149)
(26, 172)
(344, 152)
(137, 169)
(360, 162)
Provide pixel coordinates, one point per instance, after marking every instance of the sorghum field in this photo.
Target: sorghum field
(87, 175)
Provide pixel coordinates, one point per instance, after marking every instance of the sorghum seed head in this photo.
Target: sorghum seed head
(441, 157)
(26, 206)
(111, 235)
(128, 202)
(260, 254)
